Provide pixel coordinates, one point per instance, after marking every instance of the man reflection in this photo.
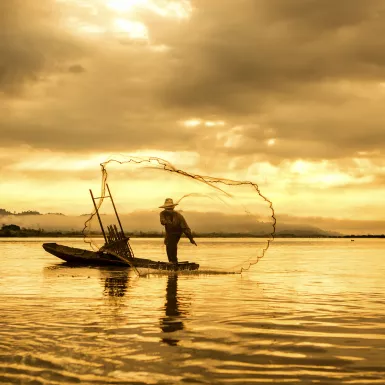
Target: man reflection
(116, 283)
(171, 322)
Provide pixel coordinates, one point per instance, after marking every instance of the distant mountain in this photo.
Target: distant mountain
(28, 212)
(148, 222)
(202, 222)
(4, 212)
(306, 232)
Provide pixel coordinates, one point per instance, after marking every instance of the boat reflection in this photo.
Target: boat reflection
(115, 282)
(115, 279)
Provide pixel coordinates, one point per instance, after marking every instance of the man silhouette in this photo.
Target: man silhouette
(175, 225)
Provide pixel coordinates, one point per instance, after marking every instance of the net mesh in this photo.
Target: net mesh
(214, 207)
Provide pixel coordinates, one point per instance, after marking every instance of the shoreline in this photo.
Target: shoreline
(44, 234)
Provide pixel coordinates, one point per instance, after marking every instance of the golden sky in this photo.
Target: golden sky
(289, 94)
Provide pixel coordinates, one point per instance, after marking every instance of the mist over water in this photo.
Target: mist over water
(311, 311)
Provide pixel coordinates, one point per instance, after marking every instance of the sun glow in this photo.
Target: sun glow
(180, 9)
(300, 167)
(119, 17)
(124, 5)
(192, 122)
(198, 122)
(134, 29)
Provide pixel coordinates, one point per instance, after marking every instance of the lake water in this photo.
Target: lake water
(311, 311)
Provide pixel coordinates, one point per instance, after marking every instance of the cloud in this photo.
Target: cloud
(290, 81)
(261, 49)
(33, 45)
(76, 69)
(308, 71)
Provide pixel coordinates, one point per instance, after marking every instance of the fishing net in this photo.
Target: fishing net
(232, 222)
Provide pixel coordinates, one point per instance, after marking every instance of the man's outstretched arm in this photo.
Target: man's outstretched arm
(186, 229)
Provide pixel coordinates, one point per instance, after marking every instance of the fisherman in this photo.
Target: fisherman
(175, 226)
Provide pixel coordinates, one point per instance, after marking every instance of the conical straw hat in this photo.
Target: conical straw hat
(168, 203)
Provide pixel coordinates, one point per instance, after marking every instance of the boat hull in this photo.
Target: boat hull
(86, 257)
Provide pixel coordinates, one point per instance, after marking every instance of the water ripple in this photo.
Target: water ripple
(286, 322)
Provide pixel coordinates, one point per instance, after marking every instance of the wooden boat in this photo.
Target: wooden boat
(116, 250)
(101, 258)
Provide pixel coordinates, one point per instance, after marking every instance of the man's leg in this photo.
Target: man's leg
(172, 247)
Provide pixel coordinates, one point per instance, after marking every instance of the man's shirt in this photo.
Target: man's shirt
(174, 223)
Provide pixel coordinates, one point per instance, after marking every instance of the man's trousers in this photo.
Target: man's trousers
(171, 242)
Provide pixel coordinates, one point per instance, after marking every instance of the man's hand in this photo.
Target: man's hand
(193, 242)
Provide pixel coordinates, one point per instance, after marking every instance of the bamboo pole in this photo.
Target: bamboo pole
(97, 213)
(113, 204)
